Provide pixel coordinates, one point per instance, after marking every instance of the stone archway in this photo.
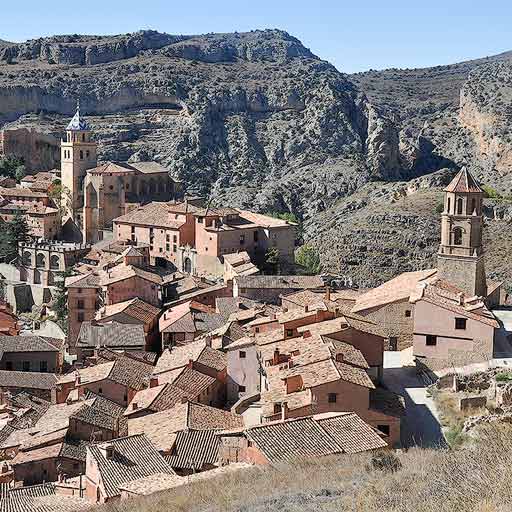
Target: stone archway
(187, 265)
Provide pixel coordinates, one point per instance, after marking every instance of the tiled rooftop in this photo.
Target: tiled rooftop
(111, 334)
(134, 457)
(276, 282)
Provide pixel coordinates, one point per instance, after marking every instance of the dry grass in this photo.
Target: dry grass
(451, 417)
(475, 478)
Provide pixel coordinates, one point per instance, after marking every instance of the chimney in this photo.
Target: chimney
(461, 299)
(78, 379)
(339, 357)
(208, 341)
(135, 406)
(328, 293)
(306, 308)
(107, 450)
(153, 382)
(276, 357)
(306, 334)
(284, 410)
(191, 363)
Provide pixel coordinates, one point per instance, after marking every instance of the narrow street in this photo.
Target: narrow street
(420, 426)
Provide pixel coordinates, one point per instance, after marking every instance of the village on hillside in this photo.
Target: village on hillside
(149, 339)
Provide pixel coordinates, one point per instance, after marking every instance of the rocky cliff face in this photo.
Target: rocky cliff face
(256, 120)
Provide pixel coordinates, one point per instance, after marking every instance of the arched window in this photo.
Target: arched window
(81, 155)
(54, 262)
(457, 236)
(459, 206)
(37, 277)
(473, 205)
(40, 260)
(83, 137)
(449, 205)
(187, 266)
(26, 259)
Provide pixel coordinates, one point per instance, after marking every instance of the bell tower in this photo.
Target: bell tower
(78, 153)
(460, 259)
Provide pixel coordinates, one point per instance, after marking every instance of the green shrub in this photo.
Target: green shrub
(504, 377)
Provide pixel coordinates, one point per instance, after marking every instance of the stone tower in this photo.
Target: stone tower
(78, 153)
(460, 260)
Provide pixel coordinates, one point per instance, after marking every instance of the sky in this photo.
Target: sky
(354, 35)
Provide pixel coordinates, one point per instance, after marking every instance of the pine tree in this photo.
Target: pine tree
(18, 231)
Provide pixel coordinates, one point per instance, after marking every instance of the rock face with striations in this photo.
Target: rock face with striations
(257, 120)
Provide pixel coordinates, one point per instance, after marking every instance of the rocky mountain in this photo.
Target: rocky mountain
(255, 119)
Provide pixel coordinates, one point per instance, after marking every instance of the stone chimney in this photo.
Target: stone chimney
(107, 450)
(328, 293)
(460, 296)
(306, 334)
(276, 357)
(306, 308)
(153, 382)
(284, 410)
(339, 357)
(135, 406)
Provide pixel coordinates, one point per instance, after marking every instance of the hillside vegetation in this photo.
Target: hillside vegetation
(477, 478)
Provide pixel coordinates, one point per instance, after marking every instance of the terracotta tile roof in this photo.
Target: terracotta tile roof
(153, 483)
(264, 220)
(179, 356)
(89, 374)
(162, 426)
(27, 380)
(134, 457)
(40, 498)
(121, 272)
(447, 296)
(314, 436)
(194, 449)
(212, 358)
(155, 214)
(132, 373)
(193, 382)
(350, 432)
(12, 344)
(135, 308)
(46, 452)
(90, 280)
(279, 282)
(399, 288)
(350, 354)
(111, 334)
(464, 182)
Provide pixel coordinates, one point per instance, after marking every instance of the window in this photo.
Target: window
(87, 154)
(43, 366)
(100, 391)
(8, 365)
(133, 229)
(473, 205)
(26, 366)
(457, 236)
(277, 408)
(242, 239)
(384, 429)
(160, 249)
(174, 248)
(408, 313)
(331, 398)
(167, 247)
(81, 155)
(242, 354)
(125, 397)
(255, 236)
(200, 220)
(241, 389)
(459, 206)
(257, 329)
(80, 304)
(289, 333)
(174, 238)
(431, 340)
(448, 208)
(167, 238)
(460, 323)
(80, 316)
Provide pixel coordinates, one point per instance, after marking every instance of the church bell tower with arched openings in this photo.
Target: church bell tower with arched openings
(78, 154)
(460, 260)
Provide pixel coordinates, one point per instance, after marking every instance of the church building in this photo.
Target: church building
(97, 194)
(444, 312)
